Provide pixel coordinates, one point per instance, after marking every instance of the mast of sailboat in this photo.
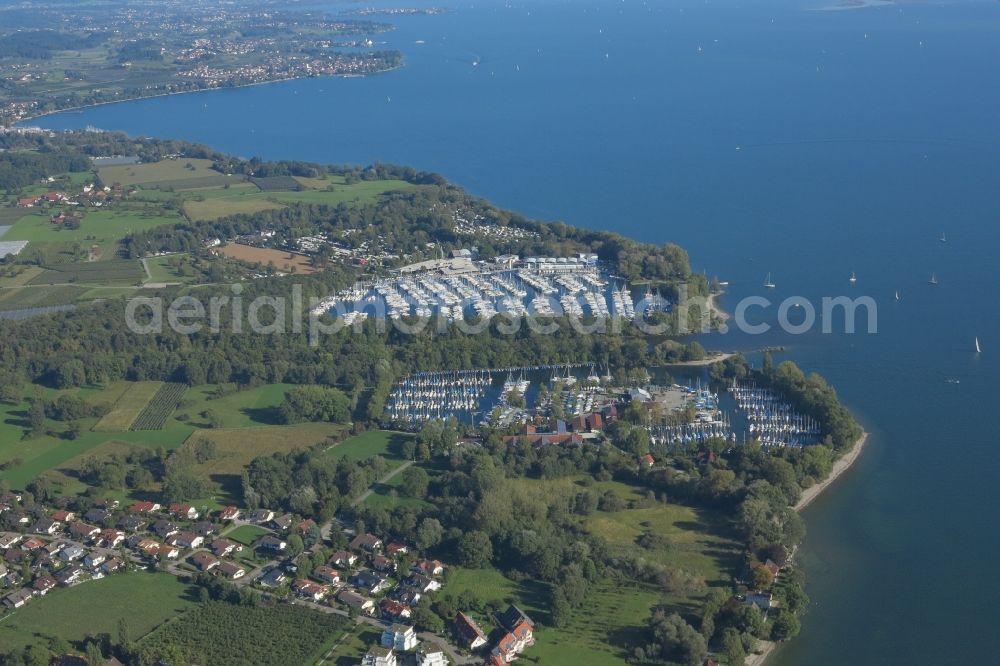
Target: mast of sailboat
(978, 348)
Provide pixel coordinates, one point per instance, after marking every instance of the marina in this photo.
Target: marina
(459, 289)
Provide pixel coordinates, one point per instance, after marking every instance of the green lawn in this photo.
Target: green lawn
(100, 226)
(163, 269)
(353, 647)
(27, 458)
(602, 633)
(247, 534)
(241, 409)
(183, 168)
(372, 443)
(209, 205)
(145, 600)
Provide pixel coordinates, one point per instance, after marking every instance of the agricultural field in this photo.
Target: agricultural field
(154, 416)
(282, 260)
(128, 407)
(20, 298)
(145, 600)
(331, 191)
(143, 175)
(117, 271)
(266, 635)
(217, 207)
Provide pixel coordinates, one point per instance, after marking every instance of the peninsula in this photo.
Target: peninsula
(468, 450)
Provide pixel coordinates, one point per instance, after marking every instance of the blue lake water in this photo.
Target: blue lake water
(762, 137)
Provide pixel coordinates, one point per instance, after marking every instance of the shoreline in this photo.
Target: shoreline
(713, 357)
(714, 310)
(844, 463)
(20, 123)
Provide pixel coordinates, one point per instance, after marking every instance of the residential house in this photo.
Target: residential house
(405, 595)
(144, 507)
(431, 654)
(379, 656)
(97, 515)
(326, 574)
(342, 558)
(309, 590)
(468, 632)
(371, 582)
(63, 516)
(306, 526)
(271, 543)
(762, 600)
(94, 560)
(69, 575)
(204, 528)
(231, 570)
(223, 547)
(9, 540)
(112, 565)
(83, 531)
(394, 610)
(273, 578)
(132, 524)
(46, 526)
(167, 551)
(71, 552)
(183, 511)
(43, 584)
(17, 598)
(261, 516)
(229, 513)
(647, 461)
(399, 637)
(186, 540)
(359, 603)
(423, 583)
(14, 556)
(53, 547)
(366, 542)
(282, 523)
(428, 567)
(383, 564)
(396, 548)
(164, 528)
(32, 543)
(204, 561)
(513, 617)
(111, 538)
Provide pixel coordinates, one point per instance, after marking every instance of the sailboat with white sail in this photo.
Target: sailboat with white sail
(767, 282)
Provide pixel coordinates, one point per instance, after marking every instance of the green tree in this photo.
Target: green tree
(415, 482)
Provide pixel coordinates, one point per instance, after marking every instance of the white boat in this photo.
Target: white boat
(943, 238)
(897, 295)
(978, 349)
(767, 282)
(933, 279)
(853, 278)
